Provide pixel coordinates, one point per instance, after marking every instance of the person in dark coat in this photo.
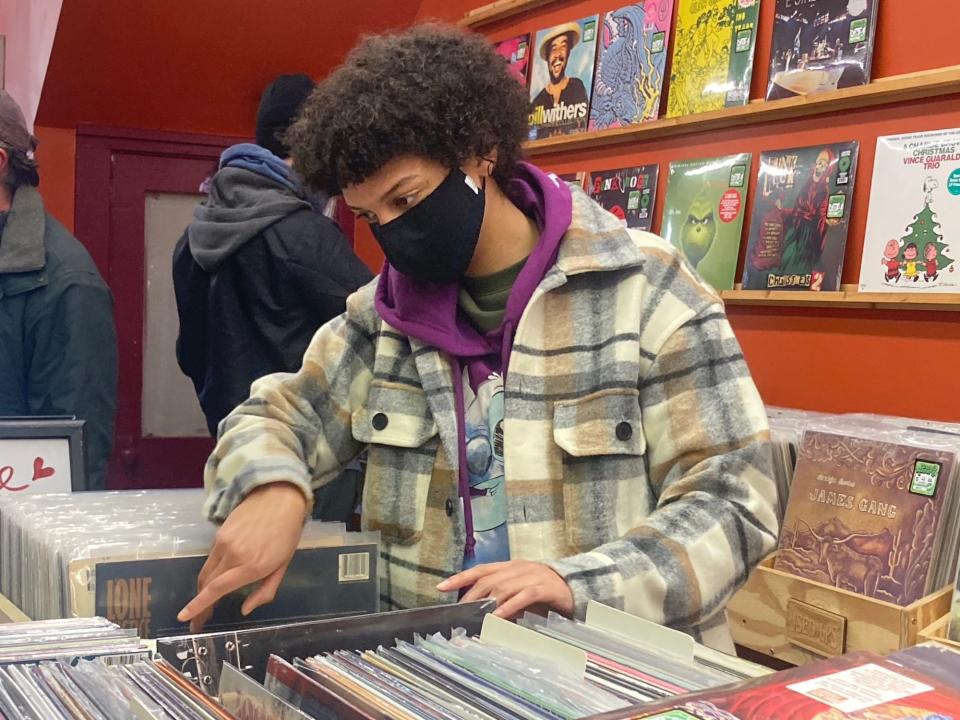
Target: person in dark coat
(58, 345)
(259, 270)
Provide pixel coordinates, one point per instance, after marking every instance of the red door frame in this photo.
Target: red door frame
(115, 168)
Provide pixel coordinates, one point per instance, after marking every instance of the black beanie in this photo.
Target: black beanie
(278, 109)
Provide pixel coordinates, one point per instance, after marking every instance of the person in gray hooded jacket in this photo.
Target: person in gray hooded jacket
(259, 270)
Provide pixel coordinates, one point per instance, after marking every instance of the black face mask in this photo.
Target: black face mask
(434, 240)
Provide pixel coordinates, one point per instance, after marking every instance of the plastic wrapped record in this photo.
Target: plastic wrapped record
(201, 657)
(134, 557)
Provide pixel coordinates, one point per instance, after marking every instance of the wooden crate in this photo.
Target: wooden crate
(800, 621)
(938, 631)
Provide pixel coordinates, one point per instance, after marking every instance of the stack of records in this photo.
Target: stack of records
(873, 508)
(90, 669)
(93, 690)
(134, 558)
(541, 668)
(86, 637)
(786, 429)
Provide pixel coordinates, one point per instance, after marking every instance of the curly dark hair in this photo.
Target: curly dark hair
(432, 91)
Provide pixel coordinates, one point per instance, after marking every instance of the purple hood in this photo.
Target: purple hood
(429, 312)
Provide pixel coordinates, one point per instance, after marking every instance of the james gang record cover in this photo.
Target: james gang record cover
(631, 60)
(864, 515)
(703, 214)
(821, 45)
(516, 51)
(913, 221)
(563, 61)
(628, 193)
(801, 214)
(713, 55)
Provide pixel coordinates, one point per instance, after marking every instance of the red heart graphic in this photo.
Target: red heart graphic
(40, 472)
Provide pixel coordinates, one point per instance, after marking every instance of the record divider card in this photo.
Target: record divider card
(643, 632)
(505, 634)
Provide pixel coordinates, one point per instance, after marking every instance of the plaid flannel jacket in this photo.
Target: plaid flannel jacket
(636, 446)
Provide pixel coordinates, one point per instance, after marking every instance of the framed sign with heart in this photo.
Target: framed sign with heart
(40, 455)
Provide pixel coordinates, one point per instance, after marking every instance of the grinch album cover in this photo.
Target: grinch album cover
(516, 51)
(628, 193)
(913, 222)
(703, 214)
(801, 214)
(631, 59)
(562, 78)
(821, 45)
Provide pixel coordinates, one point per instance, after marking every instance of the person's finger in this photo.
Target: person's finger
(488, 585)
(516, 604)
(266, 591)
(197, 623)
(211, 568)
(469, 577)
(481, 589)
(509, 575)
(223, 584)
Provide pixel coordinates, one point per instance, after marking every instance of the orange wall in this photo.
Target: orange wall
(819, 358)
(57, 156)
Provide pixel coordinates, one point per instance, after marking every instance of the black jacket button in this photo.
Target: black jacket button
(450, 507)
(379, 421)
(624, 431)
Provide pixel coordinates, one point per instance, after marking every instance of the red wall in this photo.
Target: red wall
(194, 66)
(818, 358)
(166, 64)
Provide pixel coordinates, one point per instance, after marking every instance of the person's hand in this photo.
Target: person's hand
(515, 585)
(254, 545)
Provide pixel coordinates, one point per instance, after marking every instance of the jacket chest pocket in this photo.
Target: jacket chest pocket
(605, 487)
(398, 428)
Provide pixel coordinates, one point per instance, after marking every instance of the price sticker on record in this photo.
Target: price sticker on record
(730, 204)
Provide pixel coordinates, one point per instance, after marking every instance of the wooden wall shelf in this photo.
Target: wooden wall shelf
(847, 297)
(884, 91)
(498, 11)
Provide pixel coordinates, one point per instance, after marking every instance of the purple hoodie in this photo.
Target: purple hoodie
(430, 313)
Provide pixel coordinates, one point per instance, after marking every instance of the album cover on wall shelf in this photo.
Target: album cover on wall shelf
(713, 55)
(628, 193)
(703, 214)
(516, 51)
(913, 222)
(821, 45)
(562, 78)
(801, 214)
(631, 61)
